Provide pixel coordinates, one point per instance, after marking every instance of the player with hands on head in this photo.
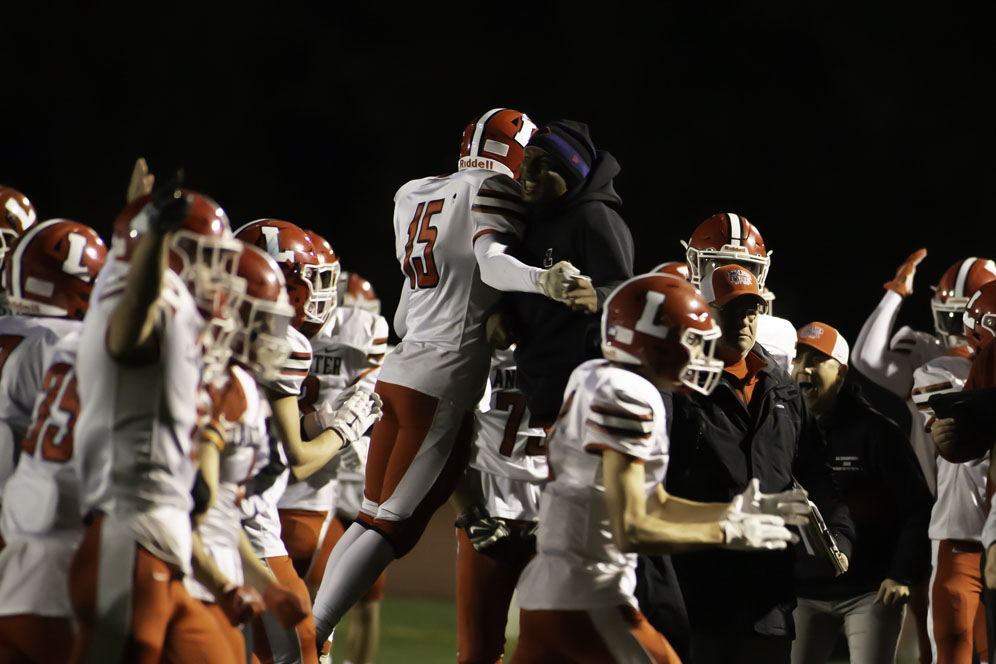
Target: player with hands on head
(880, 479)
(608, 454)
(451, 239)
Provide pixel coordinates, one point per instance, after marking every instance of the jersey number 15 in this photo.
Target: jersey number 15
(422, 272)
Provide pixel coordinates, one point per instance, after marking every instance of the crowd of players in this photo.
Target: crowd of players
(207, 453)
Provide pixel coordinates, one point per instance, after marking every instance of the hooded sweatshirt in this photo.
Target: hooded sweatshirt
(584, 227)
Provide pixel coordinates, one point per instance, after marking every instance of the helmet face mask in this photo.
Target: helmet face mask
(265, 313)
(979, 319)
(207, 265)
(951, 296)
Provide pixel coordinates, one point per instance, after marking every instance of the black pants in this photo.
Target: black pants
(661, 603)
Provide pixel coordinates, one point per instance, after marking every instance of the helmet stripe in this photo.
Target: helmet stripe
(962, 279)
(736, 229)
(22, 245)
(482, 123)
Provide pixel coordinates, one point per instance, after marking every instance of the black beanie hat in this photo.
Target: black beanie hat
(570, 146)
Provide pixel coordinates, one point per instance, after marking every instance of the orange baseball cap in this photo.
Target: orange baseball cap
(729, 282)
(825, 339)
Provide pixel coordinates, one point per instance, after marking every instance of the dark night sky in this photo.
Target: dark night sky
(849, 136)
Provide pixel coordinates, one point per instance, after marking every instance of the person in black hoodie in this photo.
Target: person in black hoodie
(755, 424)
(574, 216)
(880, 480)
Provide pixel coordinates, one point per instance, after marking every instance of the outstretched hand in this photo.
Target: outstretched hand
(902, 283)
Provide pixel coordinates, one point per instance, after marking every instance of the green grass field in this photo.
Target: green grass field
(419, 631)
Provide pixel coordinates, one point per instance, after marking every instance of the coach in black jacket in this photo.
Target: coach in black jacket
(574, 216)
(754, 424)
(880, 479)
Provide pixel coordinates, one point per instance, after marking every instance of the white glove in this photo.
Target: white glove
(753, 532)
(554, 282)
(792, 505)
(352, 416)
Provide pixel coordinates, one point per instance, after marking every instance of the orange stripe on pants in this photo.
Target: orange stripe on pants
(956, 599)
(167, 624)
(37, 639)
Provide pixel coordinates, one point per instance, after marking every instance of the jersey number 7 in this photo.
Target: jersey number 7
(422, 271)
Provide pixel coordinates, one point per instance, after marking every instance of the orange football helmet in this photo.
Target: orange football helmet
(951, 296)
(726, 238)
(496, 141)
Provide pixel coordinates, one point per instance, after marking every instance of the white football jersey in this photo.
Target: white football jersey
(26, 345)
(436, 221)
(41, 517)
(509, 453)
(234, 404)
(959, 511)
(577, 565)
(148, 414)
(348, 353)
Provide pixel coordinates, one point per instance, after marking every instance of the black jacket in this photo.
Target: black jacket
(717, 445)
(584, 227)
(880, 480)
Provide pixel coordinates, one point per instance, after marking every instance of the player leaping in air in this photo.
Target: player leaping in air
(451, 234)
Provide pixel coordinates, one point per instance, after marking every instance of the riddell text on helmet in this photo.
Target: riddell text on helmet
(477, 162)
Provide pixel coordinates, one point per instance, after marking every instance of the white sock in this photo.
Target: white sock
(348, 580)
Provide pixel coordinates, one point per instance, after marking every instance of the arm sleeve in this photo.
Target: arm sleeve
(989, 529)
(608, 253)
(872, 356)
(501, 271)
(904, 480)
(619, 419)
(811, 469)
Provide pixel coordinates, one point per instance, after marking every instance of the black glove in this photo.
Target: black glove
(167, 207)
(483, 531)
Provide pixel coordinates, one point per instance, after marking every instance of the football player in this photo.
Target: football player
(608, 453)
(958, 605)
(50, 273)
(52, 300)
(171, 272)
(16, 216)
(728, 238)
(451, 234)
(498, 504)
(913, 365)
(309, 444)
(233, 447)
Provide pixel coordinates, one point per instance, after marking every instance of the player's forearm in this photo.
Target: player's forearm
(132, 323)
(653, 536)
(681, 510)
(257, 574)
(308, 457)
(206, 571)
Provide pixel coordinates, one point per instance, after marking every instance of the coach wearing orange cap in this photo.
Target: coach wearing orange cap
(755, 424)
(880, 480)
